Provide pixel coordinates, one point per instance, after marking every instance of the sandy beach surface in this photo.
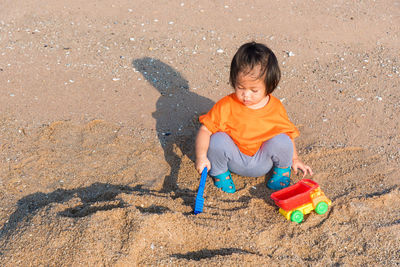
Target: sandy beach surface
(99, 106)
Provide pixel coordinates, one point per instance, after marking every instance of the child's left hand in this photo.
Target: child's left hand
(298, 164)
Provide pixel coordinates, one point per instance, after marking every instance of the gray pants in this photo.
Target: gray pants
(224, 155)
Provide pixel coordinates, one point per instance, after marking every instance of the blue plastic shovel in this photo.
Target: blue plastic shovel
(198, 206)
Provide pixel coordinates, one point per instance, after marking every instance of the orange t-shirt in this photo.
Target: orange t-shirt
(247, 127)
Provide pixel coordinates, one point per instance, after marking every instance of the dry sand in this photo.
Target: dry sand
(99, 103)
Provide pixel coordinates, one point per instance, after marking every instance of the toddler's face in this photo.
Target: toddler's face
(251, 90)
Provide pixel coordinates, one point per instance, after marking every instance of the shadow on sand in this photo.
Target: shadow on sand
(176, 114)
(176, 123)
(102, 194)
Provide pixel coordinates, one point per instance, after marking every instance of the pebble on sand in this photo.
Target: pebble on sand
(290, 54)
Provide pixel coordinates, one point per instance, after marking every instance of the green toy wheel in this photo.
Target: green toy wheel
(297, 216)
(321, 208)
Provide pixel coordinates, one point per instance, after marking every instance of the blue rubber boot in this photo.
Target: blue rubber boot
(280, 178)
(225, 182)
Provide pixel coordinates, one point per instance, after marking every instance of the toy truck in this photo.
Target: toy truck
(299, 199)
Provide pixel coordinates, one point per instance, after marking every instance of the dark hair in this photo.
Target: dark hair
(251, 55)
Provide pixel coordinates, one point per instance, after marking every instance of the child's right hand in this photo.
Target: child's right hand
(201, 163)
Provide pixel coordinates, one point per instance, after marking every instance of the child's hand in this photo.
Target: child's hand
(201, 163)
(297, 164)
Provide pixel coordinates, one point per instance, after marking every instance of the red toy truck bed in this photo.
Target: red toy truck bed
(295, 195)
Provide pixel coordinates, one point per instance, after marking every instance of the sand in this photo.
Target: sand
(99, 102)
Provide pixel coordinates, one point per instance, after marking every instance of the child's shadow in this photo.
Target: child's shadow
(176, 114)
